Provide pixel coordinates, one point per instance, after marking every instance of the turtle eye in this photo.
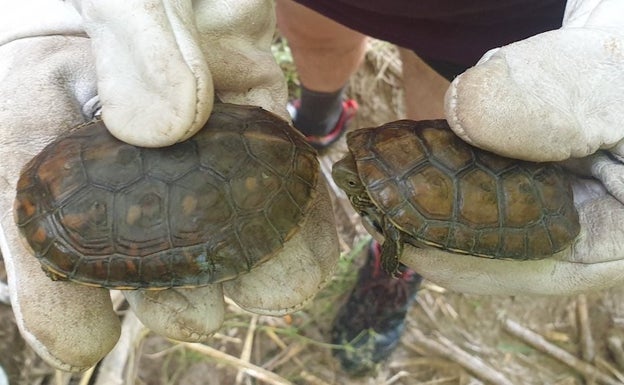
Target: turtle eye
(352, 183)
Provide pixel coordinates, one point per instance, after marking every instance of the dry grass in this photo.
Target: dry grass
(450, 339)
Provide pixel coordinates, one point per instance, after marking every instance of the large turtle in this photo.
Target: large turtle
(101, 212)
(417, 182)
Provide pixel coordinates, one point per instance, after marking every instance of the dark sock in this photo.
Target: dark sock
(319, 111)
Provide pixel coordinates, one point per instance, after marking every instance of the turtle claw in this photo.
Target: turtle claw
(390, 265)
(391, 250)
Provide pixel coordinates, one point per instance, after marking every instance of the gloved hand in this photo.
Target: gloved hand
(154, 65)
(554, 96)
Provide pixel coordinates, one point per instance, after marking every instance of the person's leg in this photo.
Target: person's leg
(326, 54)
(424, 88)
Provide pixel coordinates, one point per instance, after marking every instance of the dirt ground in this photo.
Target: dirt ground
(450, 338)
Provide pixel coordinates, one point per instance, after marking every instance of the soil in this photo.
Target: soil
(295, 347)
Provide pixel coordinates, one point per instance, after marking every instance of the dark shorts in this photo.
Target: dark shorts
(450, 35)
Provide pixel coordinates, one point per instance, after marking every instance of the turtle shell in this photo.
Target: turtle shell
(101, 212)
(442, 192)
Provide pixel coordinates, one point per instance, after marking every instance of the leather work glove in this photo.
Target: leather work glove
(156, 66)
(552, 97)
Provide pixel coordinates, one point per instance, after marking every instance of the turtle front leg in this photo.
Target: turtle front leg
(391, 249)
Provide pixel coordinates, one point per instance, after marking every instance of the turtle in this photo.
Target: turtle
(416, 182)
(101, 212)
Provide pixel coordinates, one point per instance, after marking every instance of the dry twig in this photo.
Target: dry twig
(246, 352)
(61, 377)
(396, 377)
(111, 370)
(250, 369)
(588, 350)
(85, 379)
(445, 347)
(442, 380)
(601, 363)
(289, 353)
(540, 343)
(429, 362)
(311, 378)
(615, 344)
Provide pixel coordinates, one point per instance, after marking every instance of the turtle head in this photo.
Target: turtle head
(345, 174)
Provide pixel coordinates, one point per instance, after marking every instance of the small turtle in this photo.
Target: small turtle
(101, 212)
(417, 182)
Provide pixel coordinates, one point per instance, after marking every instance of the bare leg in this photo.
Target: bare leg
(424, 88)
(326, 53)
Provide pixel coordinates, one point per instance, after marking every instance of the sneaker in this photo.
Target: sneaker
(349, 109)
(370, 324)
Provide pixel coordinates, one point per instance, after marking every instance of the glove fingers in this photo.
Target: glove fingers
(593, 262)
(288, 281)
(610, 172)
(549, 97)
(43, 84)
(71, 326)
(154, 84)
(466, 274)
(17, 19)
(236, 37)
(190, 315)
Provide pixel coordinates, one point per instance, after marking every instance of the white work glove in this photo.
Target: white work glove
(554, 96)
(154, 64)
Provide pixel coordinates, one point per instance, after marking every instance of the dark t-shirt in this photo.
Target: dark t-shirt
(451, 31)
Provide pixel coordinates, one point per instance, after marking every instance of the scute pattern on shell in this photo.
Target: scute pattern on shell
(101, 212)
(445, 193)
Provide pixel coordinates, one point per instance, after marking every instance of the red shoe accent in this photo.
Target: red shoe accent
(349, 109)
(375, 251)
